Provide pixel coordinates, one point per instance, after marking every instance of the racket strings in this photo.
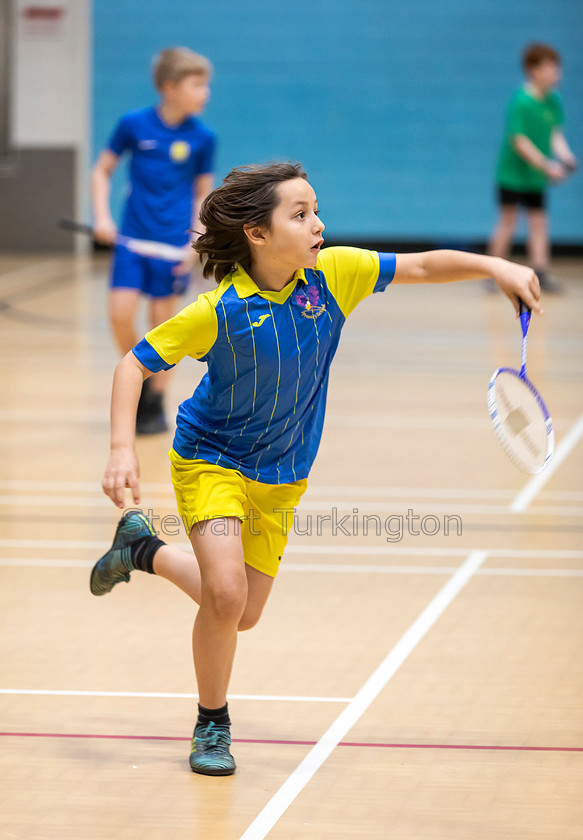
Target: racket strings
(521, 422)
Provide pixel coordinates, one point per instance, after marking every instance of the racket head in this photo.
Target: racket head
(521, 420)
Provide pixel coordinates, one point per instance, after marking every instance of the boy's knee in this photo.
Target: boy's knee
(227, 601)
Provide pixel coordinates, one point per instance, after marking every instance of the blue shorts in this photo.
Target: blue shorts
(150, 276)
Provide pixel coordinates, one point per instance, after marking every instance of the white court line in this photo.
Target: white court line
(398, 507)
(353, 491)
(295, 783)
(341, 549)
(354, 568)
(416, 422)
(324, 568)
(396, 551)
(276, 698)
(359, 491)
(98, 500)
(568, 442)
(324, 506)
(53, 415)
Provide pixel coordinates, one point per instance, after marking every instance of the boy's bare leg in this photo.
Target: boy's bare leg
(501, 240)
(538, 239)
(222, 603)
(122, 308)
(182, 569)
(539, 249)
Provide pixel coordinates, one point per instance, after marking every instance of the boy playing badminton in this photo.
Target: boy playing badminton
(534, 152)
(170, 175)
(247, 438)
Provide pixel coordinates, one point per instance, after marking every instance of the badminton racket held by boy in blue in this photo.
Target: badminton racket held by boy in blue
(143, 247)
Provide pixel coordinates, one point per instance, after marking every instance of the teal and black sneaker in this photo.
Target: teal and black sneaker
(116, 564)
(209, 750)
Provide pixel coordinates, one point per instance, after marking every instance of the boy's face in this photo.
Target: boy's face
(189, 95)
(294, 238)
(546, 75)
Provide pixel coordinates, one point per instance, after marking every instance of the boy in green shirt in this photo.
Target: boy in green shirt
(534, 152)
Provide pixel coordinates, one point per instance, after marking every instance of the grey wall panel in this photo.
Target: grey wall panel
(36, 189)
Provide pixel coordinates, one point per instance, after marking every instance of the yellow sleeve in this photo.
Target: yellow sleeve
(192, 332)
(351, 274)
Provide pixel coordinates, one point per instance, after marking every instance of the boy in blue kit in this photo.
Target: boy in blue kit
(171, 170)
(246, 440)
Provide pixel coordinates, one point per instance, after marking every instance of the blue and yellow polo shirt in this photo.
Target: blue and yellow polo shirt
(260, 407)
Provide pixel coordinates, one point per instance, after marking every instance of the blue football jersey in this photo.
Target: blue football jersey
(165, 161)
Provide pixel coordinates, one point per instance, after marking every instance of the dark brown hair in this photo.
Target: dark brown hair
(246, 198)
(176, 63)
(535, 54)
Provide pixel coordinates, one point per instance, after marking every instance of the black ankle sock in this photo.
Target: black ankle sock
(218, 716)
(142, 553)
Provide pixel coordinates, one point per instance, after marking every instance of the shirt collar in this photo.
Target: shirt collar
(245, 286)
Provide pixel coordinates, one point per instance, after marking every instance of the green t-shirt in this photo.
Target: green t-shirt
(535, 119)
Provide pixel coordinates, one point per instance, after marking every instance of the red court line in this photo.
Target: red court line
(296, 743)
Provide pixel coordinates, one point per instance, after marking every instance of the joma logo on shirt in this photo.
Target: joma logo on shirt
(260, 320)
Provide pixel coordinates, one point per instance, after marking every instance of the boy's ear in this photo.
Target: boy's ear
(167, 87)
(255, 234)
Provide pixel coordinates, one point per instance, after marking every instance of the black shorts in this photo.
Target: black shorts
(531, 200)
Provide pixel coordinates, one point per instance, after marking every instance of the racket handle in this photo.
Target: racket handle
(78, 227)
(524, 312)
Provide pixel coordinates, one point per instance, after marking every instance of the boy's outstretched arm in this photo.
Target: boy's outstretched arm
(122, 468)
(516, 281)
(104, 226)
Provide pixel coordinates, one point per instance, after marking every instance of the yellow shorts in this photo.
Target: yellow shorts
(206, 491)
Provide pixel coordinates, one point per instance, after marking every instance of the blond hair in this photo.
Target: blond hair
(175, 63)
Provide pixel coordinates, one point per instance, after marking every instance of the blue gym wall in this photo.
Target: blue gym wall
(396, 110)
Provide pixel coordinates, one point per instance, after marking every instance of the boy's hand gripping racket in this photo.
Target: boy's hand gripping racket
(520, 417)
(143, 247)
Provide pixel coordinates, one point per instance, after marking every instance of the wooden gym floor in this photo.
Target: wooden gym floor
(402, 685)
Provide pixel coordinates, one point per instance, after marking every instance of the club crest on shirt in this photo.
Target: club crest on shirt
(179, 151)
(309, 300)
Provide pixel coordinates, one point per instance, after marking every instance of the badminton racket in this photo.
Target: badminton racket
(519, 414)
(143, 247)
